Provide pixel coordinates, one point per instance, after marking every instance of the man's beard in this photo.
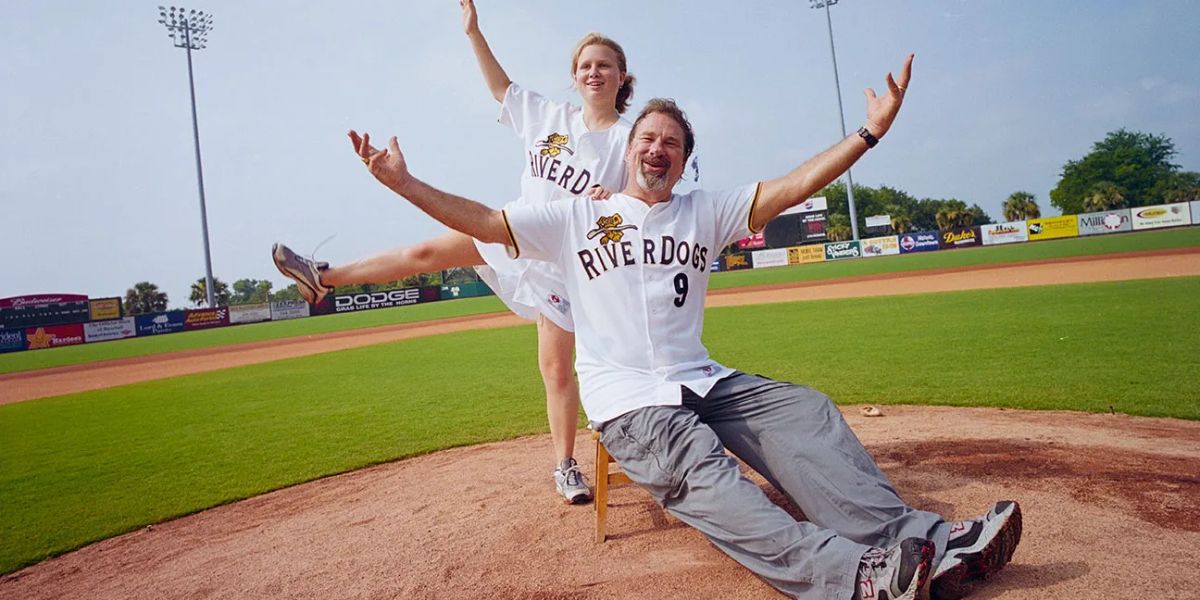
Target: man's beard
(652, 183)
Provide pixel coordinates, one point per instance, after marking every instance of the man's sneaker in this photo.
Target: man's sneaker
(570, 482)
(977, 549)
(897, 573)
(306, 273)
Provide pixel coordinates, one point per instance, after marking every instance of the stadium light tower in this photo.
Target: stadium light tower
(837, 85)
(189, 29)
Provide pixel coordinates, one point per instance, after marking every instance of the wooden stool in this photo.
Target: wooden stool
(604, 478)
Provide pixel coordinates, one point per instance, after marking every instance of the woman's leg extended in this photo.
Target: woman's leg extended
(449, 250)
(556, 348)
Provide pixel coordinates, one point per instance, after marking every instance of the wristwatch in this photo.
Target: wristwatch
(866, 135)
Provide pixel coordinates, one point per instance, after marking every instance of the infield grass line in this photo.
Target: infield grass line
(83, 467)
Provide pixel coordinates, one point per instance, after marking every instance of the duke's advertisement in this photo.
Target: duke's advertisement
(959, 237)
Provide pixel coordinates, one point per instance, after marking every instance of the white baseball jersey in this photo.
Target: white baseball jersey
(637, 276)
(563, 160)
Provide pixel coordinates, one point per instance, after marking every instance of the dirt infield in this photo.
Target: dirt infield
(1109, 505)
(42, 383)
(1109, 500)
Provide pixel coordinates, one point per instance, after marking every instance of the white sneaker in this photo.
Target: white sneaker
(976, 550)
(570, 482)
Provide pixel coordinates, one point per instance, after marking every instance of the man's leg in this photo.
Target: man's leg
(797, 439)
(556, 347)
(681, 463)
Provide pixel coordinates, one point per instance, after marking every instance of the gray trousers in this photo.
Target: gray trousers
(796, 438)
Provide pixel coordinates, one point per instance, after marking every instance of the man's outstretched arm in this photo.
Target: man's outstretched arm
(778, 195)
(457, 213)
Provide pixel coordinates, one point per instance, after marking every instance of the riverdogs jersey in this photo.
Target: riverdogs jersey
(563, 159)
(637, 276)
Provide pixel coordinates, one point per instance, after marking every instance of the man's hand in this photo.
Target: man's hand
(387, 165)
(470, 19)
(596, 192)
(881, 110)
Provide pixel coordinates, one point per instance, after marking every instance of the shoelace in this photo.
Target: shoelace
(313, 255)
(574, 477)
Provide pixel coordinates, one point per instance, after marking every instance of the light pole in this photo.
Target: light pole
(189, 30)
(837, 85)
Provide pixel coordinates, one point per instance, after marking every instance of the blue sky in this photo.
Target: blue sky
(97, 172)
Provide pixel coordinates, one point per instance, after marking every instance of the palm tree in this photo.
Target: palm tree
(1103, 196)
(838, 233)
(144, 298)
(949, 218)
(901, 224)
(199, 295)
(1021, 206)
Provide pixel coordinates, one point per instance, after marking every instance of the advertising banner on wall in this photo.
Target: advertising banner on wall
(205, 318)
(757, 240)
(960, 237)
(12, 340)
(1109, 221)
(919, 241)
(761, 259)
(249, 313)
(102, 331)
(1195, 206)
(840, 250)
(1161, 215)
(880, 246)
(154, 324)
(735, 262)
(41, 300)
(288, 309)
(53, 336)
(813, 253)
(21, 312)
(373, 300)
(1004, 233)
(1049, 228)
(470, 289)
(103, 309)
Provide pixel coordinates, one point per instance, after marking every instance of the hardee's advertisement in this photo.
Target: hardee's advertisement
(53, 336)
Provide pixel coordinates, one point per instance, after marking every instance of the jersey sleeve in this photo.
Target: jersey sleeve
(733, 209)
(538, 231)
(522, 108)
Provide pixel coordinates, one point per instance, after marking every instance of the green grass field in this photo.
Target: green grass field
(79, 468)
(41, 359)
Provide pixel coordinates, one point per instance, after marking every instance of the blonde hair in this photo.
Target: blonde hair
(626, 92)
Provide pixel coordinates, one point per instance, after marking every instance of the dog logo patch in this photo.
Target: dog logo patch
(611, 228)
(554, 144)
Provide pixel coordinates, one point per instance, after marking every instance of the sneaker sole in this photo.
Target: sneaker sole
(310, 295)
(578, 499)
(980, 565)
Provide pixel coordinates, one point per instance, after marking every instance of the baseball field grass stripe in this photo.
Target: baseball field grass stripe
(69, 355)
(79, 468)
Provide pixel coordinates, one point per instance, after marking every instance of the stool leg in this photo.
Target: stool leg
(601, 501)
